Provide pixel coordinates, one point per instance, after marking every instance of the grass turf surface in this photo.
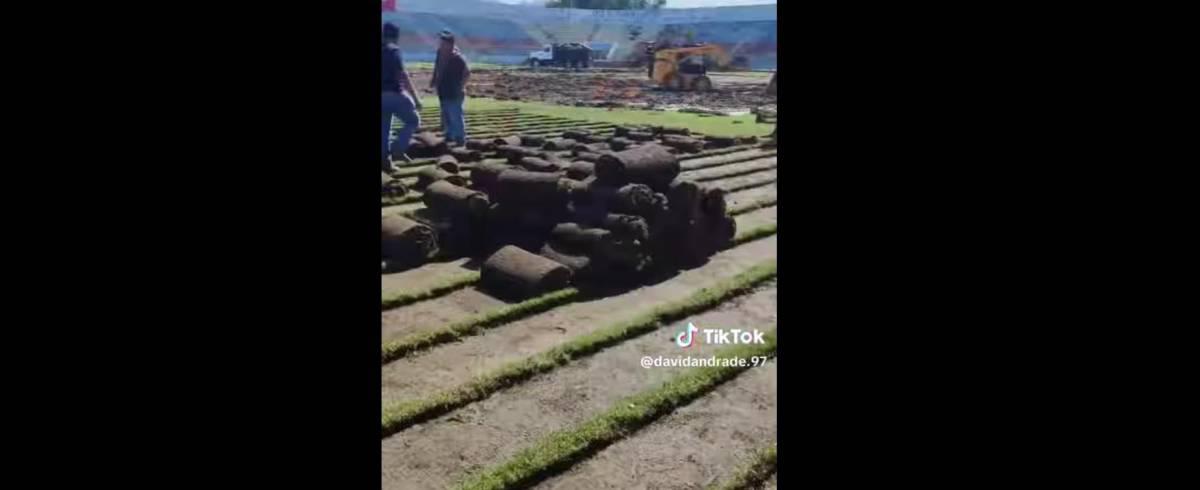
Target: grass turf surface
(410, 297)
(402, 415)
(474, 325)
(760, 468)
(718, 126)
(560, 450)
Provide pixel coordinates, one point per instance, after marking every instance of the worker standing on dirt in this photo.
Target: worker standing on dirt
(450, 75)
(650, 60)
(399, 97)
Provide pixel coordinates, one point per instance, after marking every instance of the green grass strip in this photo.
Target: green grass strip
(716, 152)
(760, 468)
(474, 325)
(735, 173)
(750, 185)
(753, 206)
(560, 450)
(755, 234)
(403, 415)
(410, 297)
(730, 161)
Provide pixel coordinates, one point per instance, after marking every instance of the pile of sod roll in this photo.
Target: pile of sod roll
(545, 213)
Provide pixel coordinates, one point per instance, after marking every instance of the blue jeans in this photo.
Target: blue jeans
(454, 123)
(401, 106)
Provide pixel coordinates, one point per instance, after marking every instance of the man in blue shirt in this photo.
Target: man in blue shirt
(450, 75)
(399, 97)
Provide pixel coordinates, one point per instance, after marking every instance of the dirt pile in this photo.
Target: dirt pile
(616, 88)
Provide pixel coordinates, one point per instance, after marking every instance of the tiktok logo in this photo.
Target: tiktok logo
(684, 339)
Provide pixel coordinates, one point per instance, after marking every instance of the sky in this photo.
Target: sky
(683, 3)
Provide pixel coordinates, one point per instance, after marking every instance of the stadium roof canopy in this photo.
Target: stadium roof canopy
(532, 14)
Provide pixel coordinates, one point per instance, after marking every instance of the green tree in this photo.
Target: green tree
(607, 4)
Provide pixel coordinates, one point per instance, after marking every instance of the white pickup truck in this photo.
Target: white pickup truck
(544, 56)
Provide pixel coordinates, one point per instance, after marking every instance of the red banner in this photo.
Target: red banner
(389, 5)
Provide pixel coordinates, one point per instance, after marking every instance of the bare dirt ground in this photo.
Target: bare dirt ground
(441, 452)
(734, 92)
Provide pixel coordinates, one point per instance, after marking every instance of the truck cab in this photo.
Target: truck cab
(544, 56)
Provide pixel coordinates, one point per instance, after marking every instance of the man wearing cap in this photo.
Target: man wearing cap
(450, 75)
(399, 97)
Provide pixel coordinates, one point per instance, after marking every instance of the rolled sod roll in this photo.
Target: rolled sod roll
(588, 156)
(714, 202)
(507, 141)
(600, 147)
(684, 198)
(578, 190)
(640, 136)
(406, 242)
(581, 170)
(587, 240)
(522, 187)
(623, 130)
(720, 141)
(678, 131)
(480, 145)
(629, 199)
(600, 245)
(580, 265)
(392, 187)
(619, 144)
(724, 229)
(430, 175)
(626, 226)
(514, 271)
(683, 143)
(428, 145)
(559, 144)
(649, 164)
(514, 154)
(485, 174)
(450, 200)
(657, 209)
(448, 163)
(534, 164)
(526, 218)
(588, 213)
(598, 215)
(465, 155)
(532, 141)
(454, 237)
(577, 134)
